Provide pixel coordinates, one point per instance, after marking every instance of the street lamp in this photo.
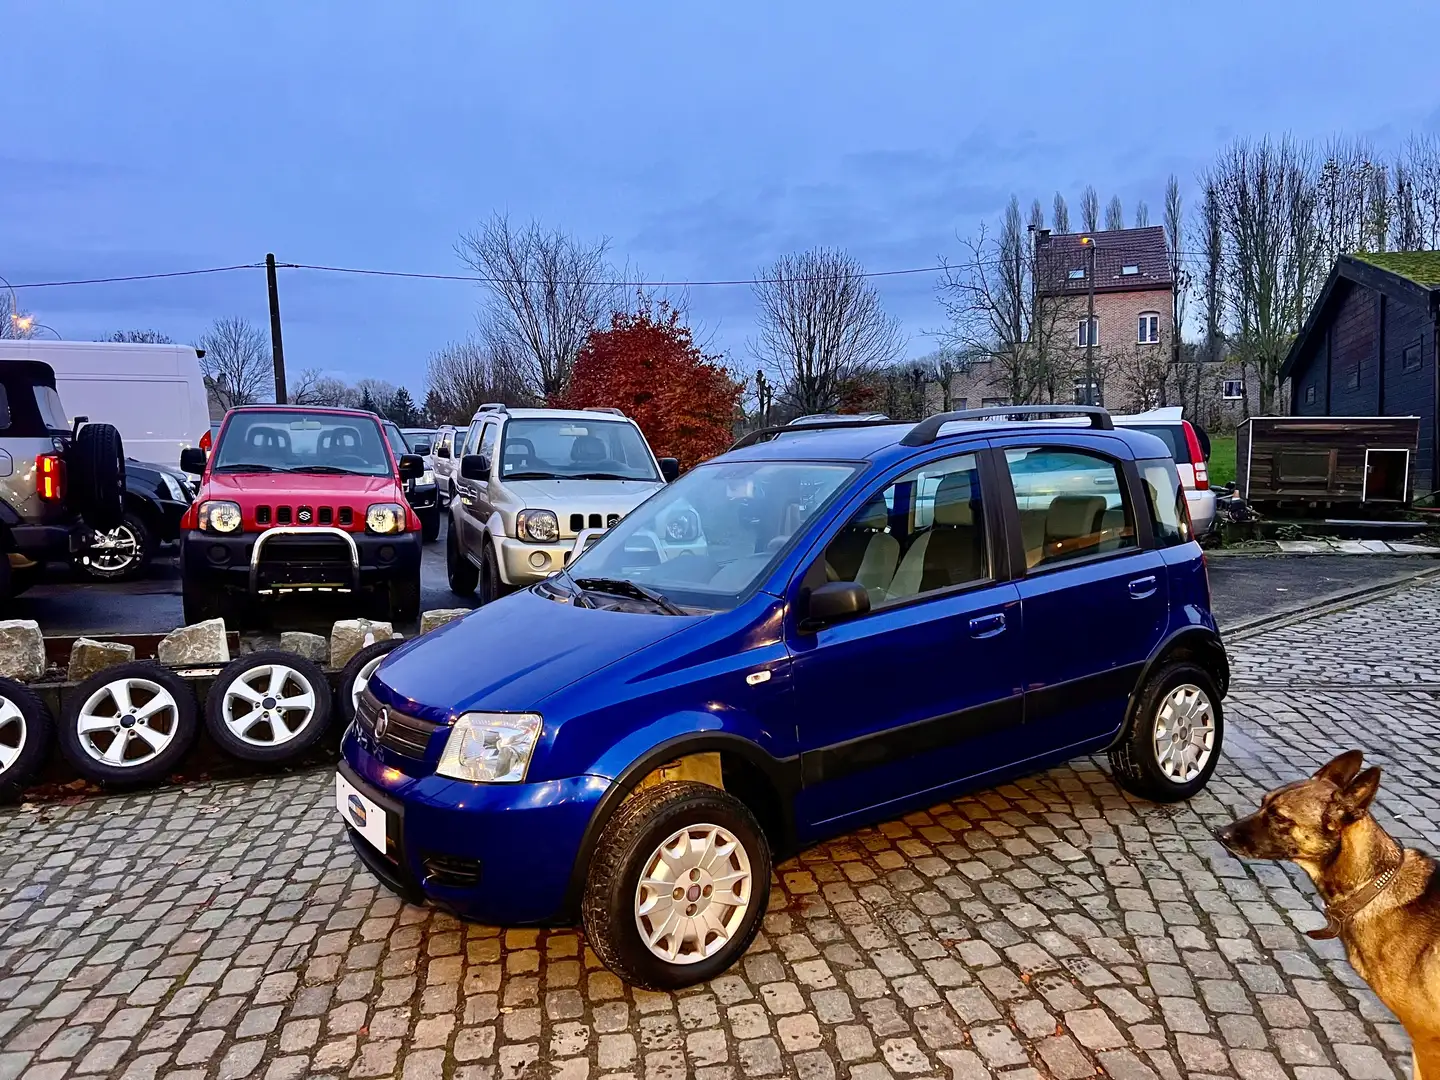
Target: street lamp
(31, 324)
(1088, 242)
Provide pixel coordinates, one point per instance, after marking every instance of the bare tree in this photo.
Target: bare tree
(14, 325)
(547, 292)
(1089, 209)
(1353, 191)
(821, 327)
(1142, 215)
(140, 337)
(1037, 216)
(1274, 249)
(1416, 220)
(1114, 214)
(1061, 214)
(467, 374)
(314, 387)
(996, 311)
(1179, 277)
(237, 362)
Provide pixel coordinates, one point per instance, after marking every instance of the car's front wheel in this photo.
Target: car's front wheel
(677, 886)
(1172, 745)
(460, 571)
(430, 523)
(122, 553)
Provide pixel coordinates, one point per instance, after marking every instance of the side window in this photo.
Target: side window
(1072, 504)
(1169, 514)
(922, 533)
(488, 438)
(444, 440)
(472, 438)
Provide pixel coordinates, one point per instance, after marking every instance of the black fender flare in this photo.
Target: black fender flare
(1198, 639)
(783, 776)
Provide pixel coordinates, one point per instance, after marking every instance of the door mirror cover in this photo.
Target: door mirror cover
(670, 469)
(412, 466)
(442, 451)
(192, 460)
(836, 601)
(475, 467)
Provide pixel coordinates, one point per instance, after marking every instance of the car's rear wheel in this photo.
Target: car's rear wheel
(355, 676)
(460, 570)
(270, 706)
(677, 886)
(122, 553)
(1172, 745)
(25, 733)
(129, 724)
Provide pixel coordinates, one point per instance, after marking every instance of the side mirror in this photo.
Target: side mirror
(443, 451)
(835, 601)
(475, 467)
(411, 466)
(192, 460)
(421, 448)
(669, 469)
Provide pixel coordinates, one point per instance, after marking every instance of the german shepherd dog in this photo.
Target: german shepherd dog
(1381, 900)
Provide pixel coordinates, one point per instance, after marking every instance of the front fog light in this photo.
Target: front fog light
(490, 748)
(385, 518)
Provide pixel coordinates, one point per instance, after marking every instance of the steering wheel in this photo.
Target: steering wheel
(349, 459)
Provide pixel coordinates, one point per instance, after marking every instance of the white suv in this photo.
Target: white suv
(533, 486)
(1177, 433)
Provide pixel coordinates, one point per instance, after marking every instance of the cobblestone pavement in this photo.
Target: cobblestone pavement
(1052, 927)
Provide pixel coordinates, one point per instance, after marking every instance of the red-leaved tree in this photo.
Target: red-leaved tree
(646, 364)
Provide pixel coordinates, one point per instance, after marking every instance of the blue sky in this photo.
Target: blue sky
(150, 136)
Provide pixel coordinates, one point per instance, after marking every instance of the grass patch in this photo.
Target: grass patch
(1222, 459)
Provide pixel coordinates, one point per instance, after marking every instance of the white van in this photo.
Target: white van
(155, 394)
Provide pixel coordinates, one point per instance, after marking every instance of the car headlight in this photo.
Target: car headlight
(541, 526)
(385, 518)
(427, 478)
(220, 517)
(683, 527)
(490, 748)
(174, 488)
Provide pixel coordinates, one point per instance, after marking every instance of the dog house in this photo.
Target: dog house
(1327, 461)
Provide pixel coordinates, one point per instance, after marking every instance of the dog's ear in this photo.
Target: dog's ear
(1353, 802)
(1343, 769)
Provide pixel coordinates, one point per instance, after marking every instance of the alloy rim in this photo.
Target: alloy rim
(693, 895)
(127, 722)
(12, 734)
(268, 705)
(362, 680)
(113, 552)
(1184, 733)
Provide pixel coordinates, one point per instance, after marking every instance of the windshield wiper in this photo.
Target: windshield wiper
(625, 587)
(247, 466)
(534, 476)
(325, 469)
(601, 476)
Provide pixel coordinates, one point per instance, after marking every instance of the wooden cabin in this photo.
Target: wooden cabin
(1328, 461)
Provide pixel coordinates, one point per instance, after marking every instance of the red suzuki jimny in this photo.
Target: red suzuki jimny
(297, 499)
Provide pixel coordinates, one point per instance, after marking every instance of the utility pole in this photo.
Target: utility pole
(1089, 242)
(276, 346)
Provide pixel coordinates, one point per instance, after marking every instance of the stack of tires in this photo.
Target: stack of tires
(132, 724)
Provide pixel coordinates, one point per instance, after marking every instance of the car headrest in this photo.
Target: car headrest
(1073, 516)
(955, 500)
(874, 515)
(587, 448)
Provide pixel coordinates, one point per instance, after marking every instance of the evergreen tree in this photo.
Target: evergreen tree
(367, 402)
(401, 408)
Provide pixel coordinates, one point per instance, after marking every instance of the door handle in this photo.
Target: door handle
(984, 626)
(1140, 588)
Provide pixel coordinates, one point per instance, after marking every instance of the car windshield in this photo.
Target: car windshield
(552, 447)
(293, 440)
(707, 541)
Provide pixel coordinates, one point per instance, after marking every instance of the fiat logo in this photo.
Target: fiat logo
(382, 723)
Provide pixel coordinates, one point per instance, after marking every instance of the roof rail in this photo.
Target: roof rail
(928, 430)
(762, 434)
(492, 406)
(604, 409)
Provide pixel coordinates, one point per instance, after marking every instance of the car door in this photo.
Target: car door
(924, 690)
(1093, 589)
(472, 511)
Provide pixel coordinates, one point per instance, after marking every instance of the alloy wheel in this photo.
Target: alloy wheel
(13, 734)
(268, 705)
(693, 894)
(127, 722)
(1184, 733)
(114, 552)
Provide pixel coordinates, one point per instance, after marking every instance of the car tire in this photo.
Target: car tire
(1172, 743)
(491, 587)
(459, 570)
(25, 733)
(98, 476)
(201, 602)
(430, 525)
(241, 711)
(613, 908)
(403, 599)
(355, 675)
(138, 546)
(121, 754)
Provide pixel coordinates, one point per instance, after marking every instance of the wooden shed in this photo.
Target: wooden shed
(1328, 460)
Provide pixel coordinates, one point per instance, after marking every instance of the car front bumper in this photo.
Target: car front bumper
(423, 498)
(518, 558)
(287, 562)
(502, 854)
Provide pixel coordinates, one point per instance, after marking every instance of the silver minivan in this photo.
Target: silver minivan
(532, 487)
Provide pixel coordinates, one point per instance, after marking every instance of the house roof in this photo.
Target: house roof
(1062, 254)
(1409, 276)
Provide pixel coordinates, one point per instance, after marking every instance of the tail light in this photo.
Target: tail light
(1202, 471)
(50, 477)
(205, 441)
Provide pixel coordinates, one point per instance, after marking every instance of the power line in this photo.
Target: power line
(140, 277)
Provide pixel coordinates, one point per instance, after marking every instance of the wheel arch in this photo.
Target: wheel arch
(1197, 643)
(765, 784)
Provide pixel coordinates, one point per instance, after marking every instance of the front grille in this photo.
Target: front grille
(283, 515)
(451, 870)
(406, 735)
(327, 516)
(319, 550)
(303, 515)
(612, 521)
(577, 522)
(347, 516)
(262, 515)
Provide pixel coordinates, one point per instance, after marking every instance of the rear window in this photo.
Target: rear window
(1172, 435)
(1169, 516)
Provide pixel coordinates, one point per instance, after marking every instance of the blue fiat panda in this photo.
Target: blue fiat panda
(830, 624)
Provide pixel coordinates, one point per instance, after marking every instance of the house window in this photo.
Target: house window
(1410, 358)
(1129, 271)
(1310, 394)
(1234, 390)
(1084, 338)
(1077, 275)
(1352, 381)
(993, 402)
(961, 404)
(1149, 329)
(1097, 394)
